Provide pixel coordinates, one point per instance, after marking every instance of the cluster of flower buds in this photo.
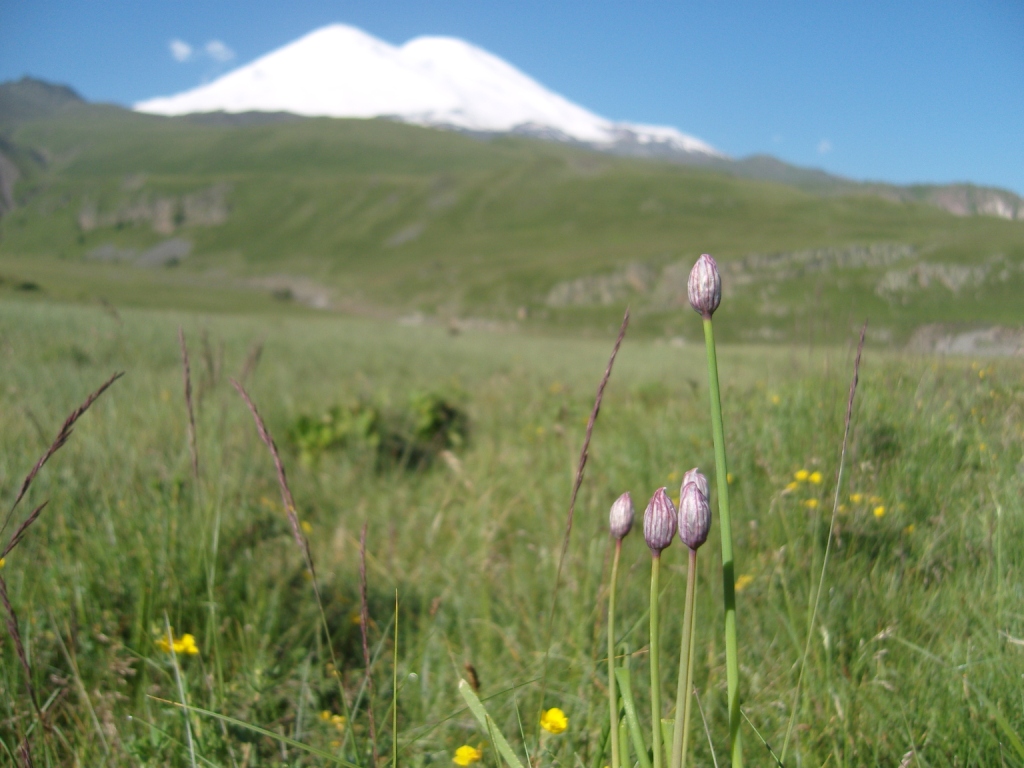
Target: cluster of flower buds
(694, 509)
(661, 519)
(705, 286)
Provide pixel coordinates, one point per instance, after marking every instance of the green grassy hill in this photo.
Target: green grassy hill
(381, 218)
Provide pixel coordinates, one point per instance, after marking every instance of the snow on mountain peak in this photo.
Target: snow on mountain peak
(341, 71)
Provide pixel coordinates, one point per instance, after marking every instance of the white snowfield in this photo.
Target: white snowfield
(341, 71)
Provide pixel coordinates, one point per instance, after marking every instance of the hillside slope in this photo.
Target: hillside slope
(379, 217)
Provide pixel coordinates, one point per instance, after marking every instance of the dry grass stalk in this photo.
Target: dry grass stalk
(58, 443)
(282, 479)
(585, 451)
(25, 755)
(18, 535)
(24, 751)
(19, 647)
(187, 375)
(111, 310)
(364, 627)
(580, 467)
(293, 520)
(252, 360)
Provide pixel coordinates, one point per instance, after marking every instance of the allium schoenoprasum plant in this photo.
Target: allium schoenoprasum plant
(915, 648)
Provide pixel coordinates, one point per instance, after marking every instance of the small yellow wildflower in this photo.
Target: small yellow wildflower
(879, 511)
(325, 715)
(801, 475)
(338, 721)
(467, 755)
(909, 529)
(744, 581)
(185, 644)
(306, 527)
(856, 498)
(792, 486)
(815, 477)
(810, 503)
(776, 399)
(729, 477)
(3, 562)
(673, 476)
(982, 447)
(554, 720)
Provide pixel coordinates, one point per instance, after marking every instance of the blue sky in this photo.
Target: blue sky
(896, 91)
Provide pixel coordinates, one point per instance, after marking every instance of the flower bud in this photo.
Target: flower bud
(620, 519)
(659, 522)
(695, 476)
(694, 515)
(705, 286)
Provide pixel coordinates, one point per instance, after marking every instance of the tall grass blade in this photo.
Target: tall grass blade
(394, 694)
(828, 542)
(181, 691)
(622, 675)
(485, 720)
(262, 731)
(364, 628)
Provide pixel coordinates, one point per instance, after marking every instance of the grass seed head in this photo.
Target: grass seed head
(705, 286)
(694, 512)
(620, 519)
(659, 522)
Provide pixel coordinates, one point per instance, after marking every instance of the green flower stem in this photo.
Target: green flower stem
(732, 664)
(684, 695)
(613, 698)
(655, 667)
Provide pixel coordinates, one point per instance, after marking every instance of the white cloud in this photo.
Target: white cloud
(824, 147)
(180, 50)
(217, 51)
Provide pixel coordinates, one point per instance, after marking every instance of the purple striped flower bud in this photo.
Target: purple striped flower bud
(694, 514)
(620, 519)
(659, 522)
(695, 476)
(705, 286)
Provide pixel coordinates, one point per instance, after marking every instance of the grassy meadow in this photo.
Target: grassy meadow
(915, 659)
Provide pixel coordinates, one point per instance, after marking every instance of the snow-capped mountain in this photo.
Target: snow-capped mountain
(341, 71)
